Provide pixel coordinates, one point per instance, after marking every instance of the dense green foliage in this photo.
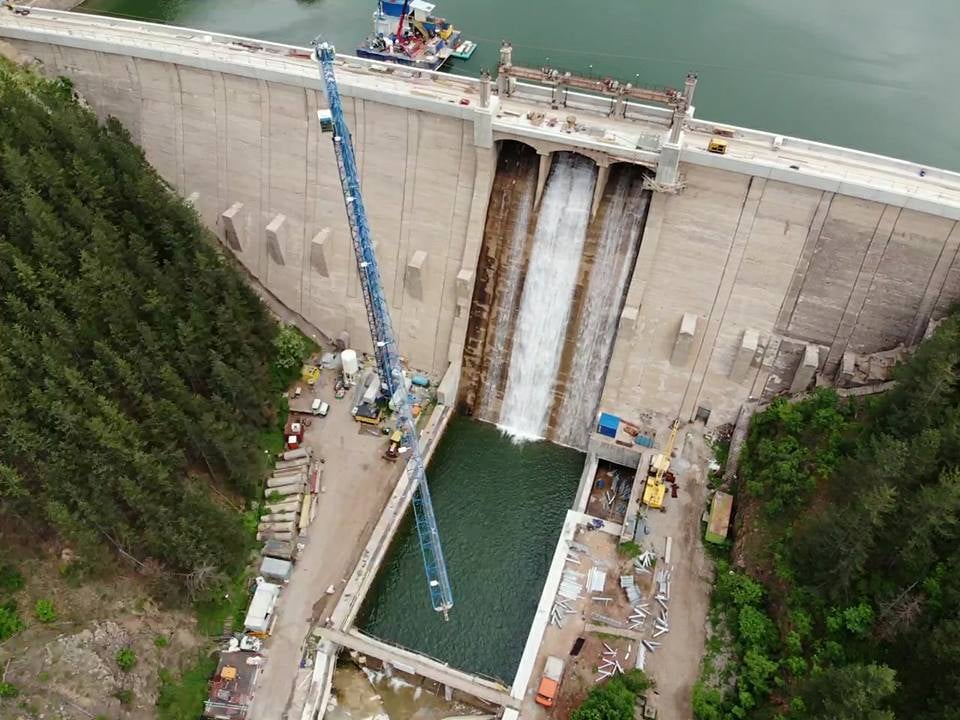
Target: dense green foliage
(614, 699)
(852, 611)
(134, 362)
(182, 698)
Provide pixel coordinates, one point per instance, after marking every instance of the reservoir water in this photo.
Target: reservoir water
(877, 75)
(500, 507)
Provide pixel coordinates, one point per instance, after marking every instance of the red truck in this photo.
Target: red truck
(550, 682)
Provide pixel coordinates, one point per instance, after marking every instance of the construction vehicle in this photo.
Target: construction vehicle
(389, 367)
(656, 489)
(393, 449)
(718, 146)
(550, 682)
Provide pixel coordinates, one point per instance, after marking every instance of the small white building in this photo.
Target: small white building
(260, 613)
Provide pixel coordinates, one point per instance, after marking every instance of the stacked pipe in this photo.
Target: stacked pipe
(285, 490)
(560, 609)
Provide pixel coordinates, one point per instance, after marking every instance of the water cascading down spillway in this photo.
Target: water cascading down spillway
(499, 280)
(593, 327)
(551, 286)
(547, 296)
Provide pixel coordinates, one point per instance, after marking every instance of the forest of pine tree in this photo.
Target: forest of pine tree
(847, 606)
(135, 377)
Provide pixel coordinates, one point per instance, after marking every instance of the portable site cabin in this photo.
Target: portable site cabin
(719, 523)
(607, 425)
(260, 613)
(276, 569)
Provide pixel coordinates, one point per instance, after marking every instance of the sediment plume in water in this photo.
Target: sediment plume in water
(547, 296)
(595, 327)
(507, 295)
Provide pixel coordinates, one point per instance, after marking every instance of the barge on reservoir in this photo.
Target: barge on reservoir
(406, 32)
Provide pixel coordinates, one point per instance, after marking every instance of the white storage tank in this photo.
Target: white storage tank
(348, 360)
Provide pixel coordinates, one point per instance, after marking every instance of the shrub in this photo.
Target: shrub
(126, 659)
(44, 611)
(707, 702)
(614, 699)
(8, 691)
(10, 622)
(124, 696)
(10, 579)
(161, 641)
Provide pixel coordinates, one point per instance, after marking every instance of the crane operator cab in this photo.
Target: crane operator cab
(326, 120)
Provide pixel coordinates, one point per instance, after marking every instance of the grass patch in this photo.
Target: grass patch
(10, 579)
(126, 659)
(212, 614)
(182, 698)
(271, 440)
(44, 611)
(629, 549)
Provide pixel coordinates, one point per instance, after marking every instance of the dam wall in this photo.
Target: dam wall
(754, 273)
(742, 282)
(247, 152)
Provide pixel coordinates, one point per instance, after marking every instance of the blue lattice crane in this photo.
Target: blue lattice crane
(381, 329)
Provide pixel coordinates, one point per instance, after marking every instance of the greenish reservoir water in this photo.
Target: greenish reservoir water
(877, 75)
(499, 507)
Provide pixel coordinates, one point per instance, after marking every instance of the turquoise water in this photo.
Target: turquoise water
(499, 507)
(878, 75)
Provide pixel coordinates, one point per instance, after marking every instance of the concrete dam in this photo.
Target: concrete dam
(547, 252)
(551, 284)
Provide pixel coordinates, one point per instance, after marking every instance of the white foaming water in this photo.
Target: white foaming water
(617, 246)
(547, 296)
(512, 254)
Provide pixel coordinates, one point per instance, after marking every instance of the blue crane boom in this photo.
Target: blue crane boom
(381, 330)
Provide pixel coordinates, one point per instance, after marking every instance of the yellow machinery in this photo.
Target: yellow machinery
(717, 146)
(656, 489)
(310, 374)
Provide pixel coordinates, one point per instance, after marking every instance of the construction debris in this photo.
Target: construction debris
(570, 585)
(596, 579)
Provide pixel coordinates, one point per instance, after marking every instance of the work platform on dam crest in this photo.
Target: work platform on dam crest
(818, 165)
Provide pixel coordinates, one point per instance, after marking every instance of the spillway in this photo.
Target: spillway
(500, 276)
(547, 296)
(508, 293)
(593, 329)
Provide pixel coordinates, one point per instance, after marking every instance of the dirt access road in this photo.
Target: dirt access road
(675, 666)
(356, 485)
